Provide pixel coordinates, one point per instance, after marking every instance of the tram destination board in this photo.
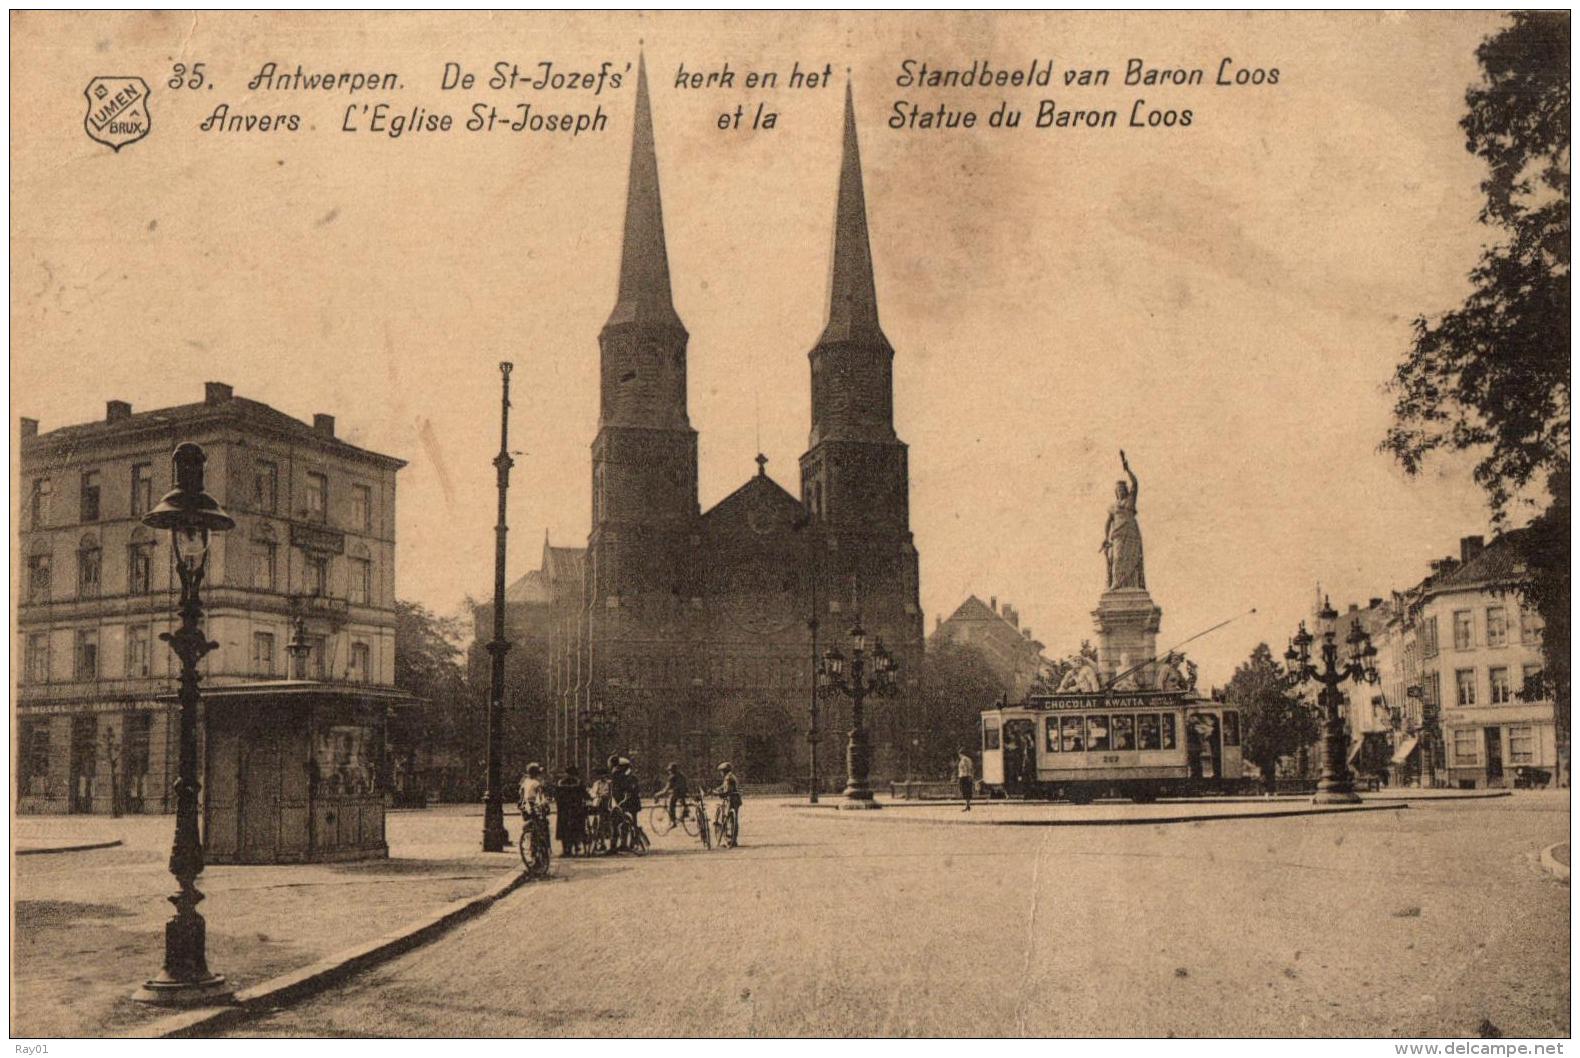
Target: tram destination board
(1127, 700)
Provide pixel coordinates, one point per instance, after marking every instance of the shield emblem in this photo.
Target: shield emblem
(117, 110)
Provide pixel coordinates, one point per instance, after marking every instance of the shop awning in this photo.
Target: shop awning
(1407, 747)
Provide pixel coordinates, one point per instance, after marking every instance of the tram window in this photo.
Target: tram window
(1096, 732)
(1231, 728)
(1147, 731)
(1074, 734)
(1124, 732)
(1051, 734)
(1167, 730)
(990, 734)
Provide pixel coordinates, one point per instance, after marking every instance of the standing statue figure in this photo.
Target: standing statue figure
(1122, 537)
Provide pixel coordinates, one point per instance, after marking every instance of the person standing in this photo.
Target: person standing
(966, 773)
(570, 808)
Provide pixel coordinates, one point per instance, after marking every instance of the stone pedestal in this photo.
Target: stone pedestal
(1127, 623)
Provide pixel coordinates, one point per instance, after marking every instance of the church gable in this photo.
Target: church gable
(761, 507)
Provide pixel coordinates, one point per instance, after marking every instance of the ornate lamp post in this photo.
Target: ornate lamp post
(857, 683)
(298, 649)
(1336, 786)
(495, 837)
(190, 514)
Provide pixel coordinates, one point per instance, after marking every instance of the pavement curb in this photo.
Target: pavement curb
(1466, 795)
(51, 849)
(315, 978)
(1551, 865)
(1151, 820)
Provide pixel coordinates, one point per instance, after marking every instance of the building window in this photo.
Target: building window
(139, 654)
(263, 653)
(1522, 745)
(361, 507)
(360, 663)
(1464, 630)
(1466, 745)
(1096, 733)
(1531, 684)
(1465, 687)
(38, 503)
(1530, 626)
(265, 486)
(263, 559)
(38, 578)
(317, 575)
(90, 566)
(318, 649)
(33, 763)
(140, 567)
(37, 661)
(317, 496)
(90, 496)
(361, 580)
(1147, 731)
(1500, 691)
(1073, 733)
(1429, 637)
(1497, 626)
(87, 654)
(142, 488)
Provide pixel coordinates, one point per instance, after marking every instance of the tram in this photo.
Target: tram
(1137, 744)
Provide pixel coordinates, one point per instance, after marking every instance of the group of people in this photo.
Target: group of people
(582, 811)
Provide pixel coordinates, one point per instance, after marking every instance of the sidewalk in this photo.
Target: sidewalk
(89, 926)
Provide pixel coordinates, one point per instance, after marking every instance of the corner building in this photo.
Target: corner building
(699, 629)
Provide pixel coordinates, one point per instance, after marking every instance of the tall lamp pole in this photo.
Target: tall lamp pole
(190, 514)
(857, 684)
(1337, 785)
(495, 837)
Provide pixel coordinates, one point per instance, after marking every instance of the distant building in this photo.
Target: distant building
(1014, 656)
(1457, 701)
(314, 538)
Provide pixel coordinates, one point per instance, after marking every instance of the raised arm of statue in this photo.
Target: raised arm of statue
(1135, 486)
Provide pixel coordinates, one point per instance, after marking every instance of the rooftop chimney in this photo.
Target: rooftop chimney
(993, 603)
(29, 427)
(1354, 607)
(216, 393)
(116, 410)
(1375, 602)
(324, 424)
(1470, 547)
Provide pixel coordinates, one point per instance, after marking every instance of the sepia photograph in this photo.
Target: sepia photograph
(782, 525)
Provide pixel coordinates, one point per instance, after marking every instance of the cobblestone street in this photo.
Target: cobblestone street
(1429, 921)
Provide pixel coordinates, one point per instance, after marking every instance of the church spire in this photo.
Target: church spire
(853, 296)
(644, 295)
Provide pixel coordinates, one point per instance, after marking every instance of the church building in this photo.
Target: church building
(694, 635)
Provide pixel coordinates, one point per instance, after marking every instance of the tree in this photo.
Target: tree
(1492, 376)
(438, 738)
(958, 683)
(1274, 723)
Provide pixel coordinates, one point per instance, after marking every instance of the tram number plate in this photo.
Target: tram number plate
(1112, 759)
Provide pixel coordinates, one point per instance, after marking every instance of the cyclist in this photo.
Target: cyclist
(534, 794)
(675, 789)
(729, 790)
(598, 806)
(627, 795)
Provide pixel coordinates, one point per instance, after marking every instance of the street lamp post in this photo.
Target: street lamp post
(495, 837)
(813, 735)
(1337, 785)
(858, 683)
(190, 514)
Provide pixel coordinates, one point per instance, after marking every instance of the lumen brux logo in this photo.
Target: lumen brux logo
(117, 110)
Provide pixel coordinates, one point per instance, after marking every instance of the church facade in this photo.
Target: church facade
(686, 635)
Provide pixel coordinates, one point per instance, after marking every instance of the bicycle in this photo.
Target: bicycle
(659, 820)
(626, 831)
(727, 824)
(704, 830)
(535, 846)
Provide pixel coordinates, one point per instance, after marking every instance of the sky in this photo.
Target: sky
(1224, 301)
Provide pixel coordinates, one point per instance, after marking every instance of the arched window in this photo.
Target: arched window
(90, 566)
(38, 570)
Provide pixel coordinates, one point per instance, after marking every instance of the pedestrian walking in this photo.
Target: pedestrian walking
(967, 776)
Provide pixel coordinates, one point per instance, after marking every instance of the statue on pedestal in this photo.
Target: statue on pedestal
(1122, 535)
